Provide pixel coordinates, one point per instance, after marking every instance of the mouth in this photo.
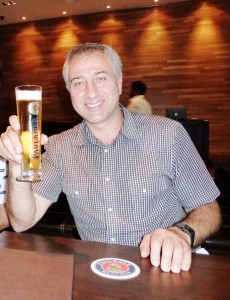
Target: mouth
(93, 105)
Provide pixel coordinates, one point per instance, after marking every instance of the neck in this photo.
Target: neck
(107, 132)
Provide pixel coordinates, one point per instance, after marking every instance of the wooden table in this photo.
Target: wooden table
(209, 277)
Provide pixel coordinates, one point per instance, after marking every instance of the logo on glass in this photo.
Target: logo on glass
(34, 108)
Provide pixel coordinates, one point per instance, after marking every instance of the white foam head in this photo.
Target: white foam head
(28, 95)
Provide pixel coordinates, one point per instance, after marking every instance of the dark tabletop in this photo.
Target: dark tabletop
(209, 277)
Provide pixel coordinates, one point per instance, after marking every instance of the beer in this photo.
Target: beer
(29, 110)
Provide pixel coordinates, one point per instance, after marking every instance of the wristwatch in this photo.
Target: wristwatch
(186, 229)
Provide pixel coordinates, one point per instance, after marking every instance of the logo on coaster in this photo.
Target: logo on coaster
(115, 268)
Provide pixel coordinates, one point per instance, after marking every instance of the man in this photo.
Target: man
(129, 178)
(138, 102)
(4, 222)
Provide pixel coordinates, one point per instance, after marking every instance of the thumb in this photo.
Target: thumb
(14, 123)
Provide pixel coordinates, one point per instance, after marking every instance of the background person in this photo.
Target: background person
(138, 102)
(129, 178)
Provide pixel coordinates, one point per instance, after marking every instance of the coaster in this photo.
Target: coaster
(115, 268)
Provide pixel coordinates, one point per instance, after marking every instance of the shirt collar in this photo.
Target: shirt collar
(129, 129)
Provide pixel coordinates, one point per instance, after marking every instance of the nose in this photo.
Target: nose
(91, 90)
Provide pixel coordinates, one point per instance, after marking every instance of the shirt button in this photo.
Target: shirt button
(112, 239)
(107, 179)
(106, 150)
(110, 209)
(144, 190)
(76, 192)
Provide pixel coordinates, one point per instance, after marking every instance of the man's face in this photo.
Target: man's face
(94, 88)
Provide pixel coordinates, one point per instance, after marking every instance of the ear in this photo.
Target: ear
(119, 81)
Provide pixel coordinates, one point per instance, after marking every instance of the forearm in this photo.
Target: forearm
(205, 221)
(21, 206)
(170, 247)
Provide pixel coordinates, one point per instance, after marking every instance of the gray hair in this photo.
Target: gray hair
(88, 48)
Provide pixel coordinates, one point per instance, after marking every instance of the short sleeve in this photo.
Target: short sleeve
(50, 186)
(193, 182)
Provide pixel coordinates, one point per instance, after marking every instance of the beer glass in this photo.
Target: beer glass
(29, 111)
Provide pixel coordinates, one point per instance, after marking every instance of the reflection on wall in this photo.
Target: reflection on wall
(181, 52)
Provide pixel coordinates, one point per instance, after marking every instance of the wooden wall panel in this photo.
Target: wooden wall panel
(182, 52)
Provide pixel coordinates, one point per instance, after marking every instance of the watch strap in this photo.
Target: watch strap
(188, 230)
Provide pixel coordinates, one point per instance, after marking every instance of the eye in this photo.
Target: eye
(78, 83)
(101, 79)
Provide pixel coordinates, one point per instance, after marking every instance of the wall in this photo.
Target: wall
(181, 51)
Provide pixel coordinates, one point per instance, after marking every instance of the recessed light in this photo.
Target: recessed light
(108, 7)
(9, 3)
(64, 12)
(23, 18)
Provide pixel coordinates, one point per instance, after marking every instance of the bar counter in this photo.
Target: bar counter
(209, 277)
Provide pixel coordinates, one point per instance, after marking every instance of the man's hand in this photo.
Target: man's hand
(167, 248)
(10, 145)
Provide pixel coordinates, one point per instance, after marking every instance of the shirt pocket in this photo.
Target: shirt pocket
(83, 195)
(145, 192)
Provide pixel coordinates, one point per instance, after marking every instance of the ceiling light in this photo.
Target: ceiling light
(64, 12)
(108, 7)
(9, 3)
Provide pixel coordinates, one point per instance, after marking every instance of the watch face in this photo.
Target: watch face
(188, 230)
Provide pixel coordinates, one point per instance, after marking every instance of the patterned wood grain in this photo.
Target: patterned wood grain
(182, 52)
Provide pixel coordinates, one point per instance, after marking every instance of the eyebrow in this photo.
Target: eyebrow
(96, 73)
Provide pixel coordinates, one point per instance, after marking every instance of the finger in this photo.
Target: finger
(177, 258)
(7, 155)
(167, 253)
(14, 140)
(187, 259)
(44, 139)
(7, 149)
(14, 123)
(157, 238)
(145, 246)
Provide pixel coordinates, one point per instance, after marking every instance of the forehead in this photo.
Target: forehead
(89, 62)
